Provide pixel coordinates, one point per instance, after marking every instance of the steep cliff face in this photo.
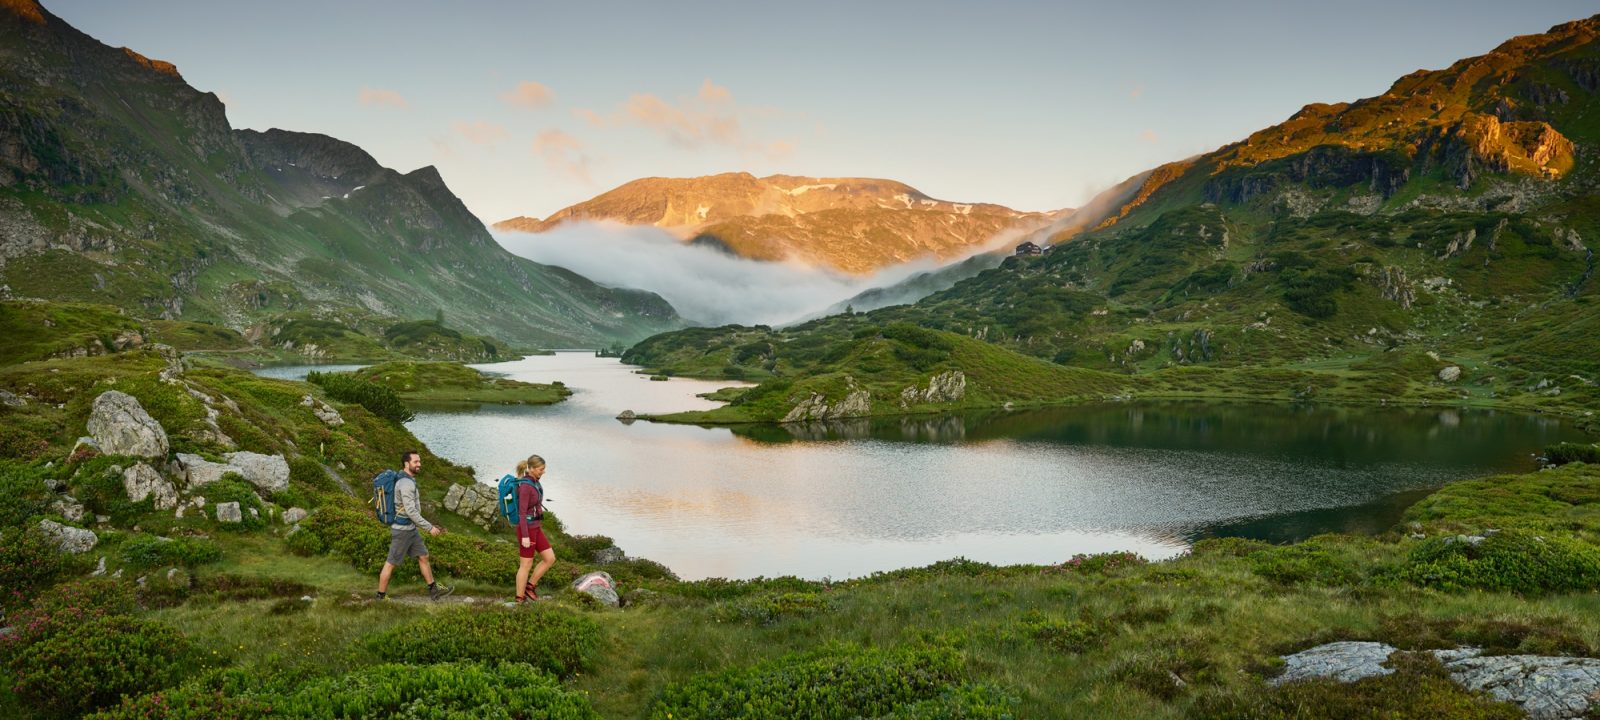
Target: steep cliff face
(850, 224)
(120, 181)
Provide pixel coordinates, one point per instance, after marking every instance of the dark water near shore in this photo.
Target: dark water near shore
(849, 498)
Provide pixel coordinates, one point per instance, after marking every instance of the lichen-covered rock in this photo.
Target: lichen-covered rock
(599, 586)
(1547, 688)
(68, 507)
(142, 481)
(199, 472)
(294, 515)
(69, 539)
(229, 512)
(476, 502)
(1450, 374)
(1342, 661)
(608, 555)
(324, 412)
(120, 426)
(270, 473)
(11, 399)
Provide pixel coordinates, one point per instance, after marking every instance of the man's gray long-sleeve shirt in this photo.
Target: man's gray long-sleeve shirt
(406, 504)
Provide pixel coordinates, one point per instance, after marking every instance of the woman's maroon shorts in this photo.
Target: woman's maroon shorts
(540, 543)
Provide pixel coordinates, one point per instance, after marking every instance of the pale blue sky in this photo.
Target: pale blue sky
(1029, 104)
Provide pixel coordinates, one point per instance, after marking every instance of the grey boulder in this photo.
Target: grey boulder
(142, 481)
(476, 502)
(269, 473)
(599, 586)
(229, 512)
(120, 426)
(199, 472)
(69, 539)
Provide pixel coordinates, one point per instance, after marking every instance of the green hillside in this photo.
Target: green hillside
(123, 183)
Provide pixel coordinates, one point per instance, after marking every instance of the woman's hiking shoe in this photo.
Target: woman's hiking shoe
(437, 591)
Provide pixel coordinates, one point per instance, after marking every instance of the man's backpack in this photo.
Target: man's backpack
(383, 499)
(509, 486)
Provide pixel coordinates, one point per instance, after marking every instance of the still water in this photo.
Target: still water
(846, 499)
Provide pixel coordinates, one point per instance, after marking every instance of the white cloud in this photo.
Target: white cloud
(529, 94)
(377, 97)
(480, 132)
(563, 153)
(706, 285)
(710, 117)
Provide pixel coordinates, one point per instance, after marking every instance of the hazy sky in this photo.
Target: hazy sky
(527, 107)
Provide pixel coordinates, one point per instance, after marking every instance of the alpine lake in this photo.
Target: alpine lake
(846, 499)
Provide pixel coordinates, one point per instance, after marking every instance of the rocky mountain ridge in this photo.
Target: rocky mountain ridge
(852, 224)
(121, 183)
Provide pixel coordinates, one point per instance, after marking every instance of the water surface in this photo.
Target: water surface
(846, 499)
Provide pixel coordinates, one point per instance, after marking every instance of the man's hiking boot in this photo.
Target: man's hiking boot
(437, 591)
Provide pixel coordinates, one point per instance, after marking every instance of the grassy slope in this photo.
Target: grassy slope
(1103, 638)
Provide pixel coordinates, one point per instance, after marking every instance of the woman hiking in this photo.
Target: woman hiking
(530, 537)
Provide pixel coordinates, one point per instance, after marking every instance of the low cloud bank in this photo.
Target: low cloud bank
(706, 285)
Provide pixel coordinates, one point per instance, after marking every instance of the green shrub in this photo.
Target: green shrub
(767, 609)
(23, 495)
(67, 604)
(1100, 563)
(554, 640)
(1305, 562)
(307, 473)
(147, 551)
(838, 681)
(234, 488)
(1070, 636)
(446, 690)
(378, 399)
(190, 701)
(1228, 547)
(305, 544)
(90, 665)
(28, 561)
(1563, 453)
(1514, 560)
(967, 702)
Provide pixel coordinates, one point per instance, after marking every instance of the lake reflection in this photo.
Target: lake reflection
(849, 498)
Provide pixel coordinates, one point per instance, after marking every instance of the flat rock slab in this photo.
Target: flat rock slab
(1342, 661)
(1545, 687)
(201, 472)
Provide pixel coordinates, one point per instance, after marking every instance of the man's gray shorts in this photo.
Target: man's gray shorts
(405, 543)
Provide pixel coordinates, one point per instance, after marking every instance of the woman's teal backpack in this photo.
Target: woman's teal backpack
(508, 499)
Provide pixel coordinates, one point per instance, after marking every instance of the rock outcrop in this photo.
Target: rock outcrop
(199, 472)
(120, 426)
(269, 473)
(944, 387)
(1546, 688)
(476, 502)
(69, 539)
(324, 412)
(856, 403)
(142, 481)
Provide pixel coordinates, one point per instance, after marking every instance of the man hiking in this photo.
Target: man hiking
(405, 536)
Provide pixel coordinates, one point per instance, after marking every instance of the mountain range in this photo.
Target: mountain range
(856, 225)
(121, 183)
(1432, 243)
